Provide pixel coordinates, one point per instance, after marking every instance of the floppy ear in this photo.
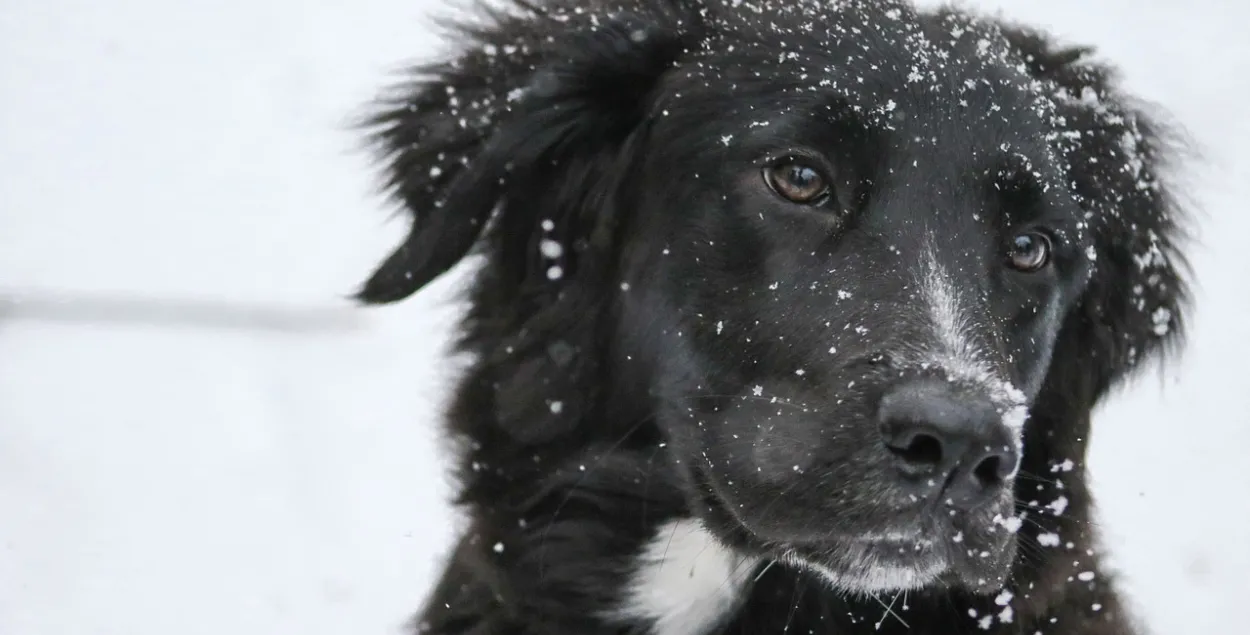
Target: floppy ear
(1118, 159)
(535, 101)
(521, 148)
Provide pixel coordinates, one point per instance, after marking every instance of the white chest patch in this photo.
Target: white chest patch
(685, 582)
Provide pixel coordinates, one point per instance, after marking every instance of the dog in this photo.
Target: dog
(790, 314)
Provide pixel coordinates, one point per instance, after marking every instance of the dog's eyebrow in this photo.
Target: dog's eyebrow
(797, 121)
(1025, 182)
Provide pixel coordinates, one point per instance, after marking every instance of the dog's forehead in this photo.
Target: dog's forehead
(882, 60)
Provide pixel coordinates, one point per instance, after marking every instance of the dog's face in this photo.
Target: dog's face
(859, 286)
(847, 262)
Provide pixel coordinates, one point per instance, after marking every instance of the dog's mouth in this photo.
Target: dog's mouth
(870, 565)
(939, 550)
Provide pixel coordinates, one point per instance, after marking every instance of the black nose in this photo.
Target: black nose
(946, 441)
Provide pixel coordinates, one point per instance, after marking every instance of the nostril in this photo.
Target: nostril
(918, 449)
(988, 470)
(994, 467)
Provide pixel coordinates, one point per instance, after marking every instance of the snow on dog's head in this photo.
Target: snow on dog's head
(853, 266)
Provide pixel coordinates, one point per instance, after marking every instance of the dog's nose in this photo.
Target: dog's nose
(943, 437)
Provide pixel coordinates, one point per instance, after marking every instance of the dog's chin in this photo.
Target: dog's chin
(872, 565)
(971, 553)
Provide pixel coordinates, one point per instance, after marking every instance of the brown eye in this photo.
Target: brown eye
(797, 182)
(1029, 252)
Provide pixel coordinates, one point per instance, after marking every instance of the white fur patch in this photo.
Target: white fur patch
(956, 352)
(686, 582)
(951, 325)
(872, 576)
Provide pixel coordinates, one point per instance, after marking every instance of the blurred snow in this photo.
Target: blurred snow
(206, 479)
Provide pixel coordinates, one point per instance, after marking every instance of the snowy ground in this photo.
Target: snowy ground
(224, 478)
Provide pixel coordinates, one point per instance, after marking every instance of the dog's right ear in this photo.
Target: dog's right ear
(1122, 162)
(530, 90)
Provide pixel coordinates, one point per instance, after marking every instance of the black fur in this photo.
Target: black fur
(617, 391)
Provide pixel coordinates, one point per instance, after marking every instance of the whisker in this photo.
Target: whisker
(765, 570)
(889, 610)
(795, 598)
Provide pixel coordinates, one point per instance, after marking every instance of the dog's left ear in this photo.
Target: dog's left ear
(1118, 160)
(516, 126)
(519, 148)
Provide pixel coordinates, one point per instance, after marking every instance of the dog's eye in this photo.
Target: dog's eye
(1029, 251)
(797, 181)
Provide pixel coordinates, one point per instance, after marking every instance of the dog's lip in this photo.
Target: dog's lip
(932, 534)
(888, 541)
(897, 539)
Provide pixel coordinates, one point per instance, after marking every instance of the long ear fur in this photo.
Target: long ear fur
(1118, 158)
(520, 148)
(550, 86)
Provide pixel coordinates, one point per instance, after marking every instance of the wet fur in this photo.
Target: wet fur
(545, 127)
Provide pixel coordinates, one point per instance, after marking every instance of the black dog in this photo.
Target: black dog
(791, 318)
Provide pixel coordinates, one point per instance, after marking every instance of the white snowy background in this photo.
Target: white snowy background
(266, 463)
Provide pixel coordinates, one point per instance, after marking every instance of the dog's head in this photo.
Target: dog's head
(867, 269)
